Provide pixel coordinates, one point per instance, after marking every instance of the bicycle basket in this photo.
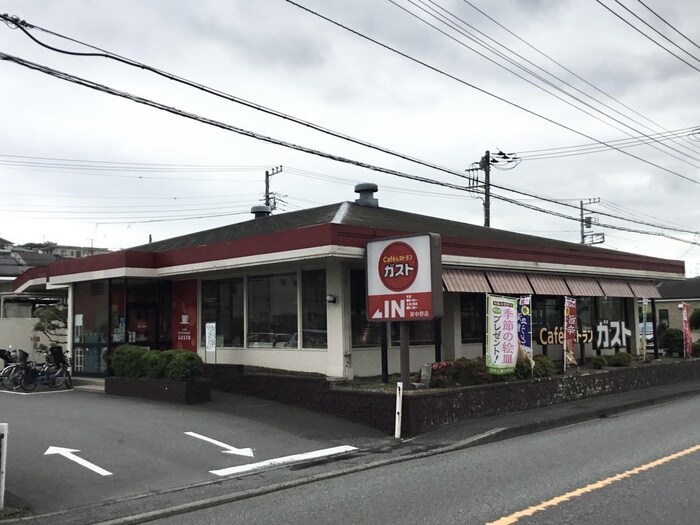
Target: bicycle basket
(57, 356)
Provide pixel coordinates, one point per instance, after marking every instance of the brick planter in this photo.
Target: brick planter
(182, 392)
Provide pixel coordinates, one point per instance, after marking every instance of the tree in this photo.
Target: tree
(52, 321)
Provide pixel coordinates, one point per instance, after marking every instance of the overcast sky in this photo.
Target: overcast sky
(82, 167)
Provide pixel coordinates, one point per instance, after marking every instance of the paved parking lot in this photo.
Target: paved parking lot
(103, 448)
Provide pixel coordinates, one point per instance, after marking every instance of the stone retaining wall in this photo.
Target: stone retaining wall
(427, 409)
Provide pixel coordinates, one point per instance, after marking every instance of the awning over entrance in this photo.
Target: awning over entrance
(584, 287)
(470, 281)
(509, 283)
(616, 288)
(644, 289)
(548, 284)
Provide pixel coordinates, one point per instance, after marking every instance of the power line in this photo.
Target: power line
(667, 23)
(647, 36)
(140, 100)
(540, 78)
(485, 92)
(562, 66)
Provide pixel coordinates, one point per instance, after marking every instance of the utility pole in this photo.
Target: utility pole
(268, 174)
(587, 221)
(485, 165)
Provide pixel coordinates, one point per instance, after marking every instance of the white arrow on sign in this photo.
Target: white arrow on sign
(248, 452)
(69, 454)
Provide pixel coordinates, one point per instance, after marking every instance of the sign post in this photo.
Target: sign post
(404, 283)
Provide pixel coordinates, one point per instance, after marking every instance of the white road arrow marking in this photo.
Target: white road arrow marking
(276, 462)
(69, 454)
(248, 452)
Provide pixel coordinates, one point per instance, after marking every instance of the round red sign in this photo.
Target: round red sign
(398, 266)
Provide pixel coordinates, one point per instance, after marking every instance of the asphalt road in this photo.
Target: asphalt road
(639, 468)
(134, 448)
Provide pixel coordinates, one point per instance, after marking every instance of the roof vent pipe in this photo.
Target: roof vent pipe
(260, 211)
(367, 191)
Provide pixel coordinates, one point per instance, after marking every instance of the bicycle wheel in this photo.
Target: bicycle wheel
(13, 380)
(26, 381)
(5, 376)
(56, 379)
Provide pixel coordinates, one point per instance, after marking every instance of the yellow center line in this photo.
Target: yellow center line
(507, 520)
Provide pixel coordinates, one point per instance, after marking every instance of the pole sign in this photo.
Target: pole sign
(404, 278)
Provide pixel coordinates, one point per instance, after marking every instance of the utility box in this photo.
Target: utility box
(3, 462)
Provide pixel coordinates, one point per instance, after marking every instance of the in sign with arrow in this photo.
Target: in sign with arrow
(248, 452)
(69, 453)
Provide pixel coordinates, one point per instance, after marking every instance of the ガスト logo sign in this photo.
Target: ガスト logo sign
(398, 266)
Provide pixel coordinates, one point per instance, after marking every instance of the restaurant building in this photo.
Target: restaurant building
(288, 292)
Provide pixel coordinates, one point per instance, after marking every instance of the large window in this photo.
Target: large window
(313, 310)
(419, 333)
(471, 309)
(547, 314)
(222, 303)
(364, 333)
(272, 310)
(611, 309)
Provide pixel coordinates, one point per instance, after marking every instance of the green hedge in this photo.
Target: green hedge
(672, 341)
(620, 359)
(136, 361)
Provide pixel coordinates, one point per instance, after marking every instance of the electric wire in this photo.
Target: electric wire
(667, 23)
(647, 36)
(485, 92)
(433, 13)
(565, 68)
(140, 100)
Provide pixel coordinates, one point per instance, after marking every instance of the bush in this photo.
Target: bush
(523, 369)
(696, 349)
(185, 366)
(152, 365)
(672, 341)
(694, 320)
(599, 362)
(543, 366)
(126, 361)
(164, 359)
(620, 359)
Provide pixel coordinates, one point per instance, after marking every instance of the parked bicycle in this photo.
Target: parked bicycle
(9, 377)
(53, 373)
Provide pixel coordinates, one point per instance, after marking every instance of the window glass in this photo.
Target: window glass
(272, 310)
(547, 313)
(222, 303)
(584, 312)
(313, 308)
(472, 307)
(611, 309)
(364, 333)
(419, 333)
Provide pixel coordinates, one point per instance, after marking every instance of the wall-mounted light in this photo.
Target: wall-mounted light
(330, 298)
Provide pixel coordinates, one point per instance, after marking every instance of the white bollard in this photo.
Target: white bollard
(399, 403)
(3, 461)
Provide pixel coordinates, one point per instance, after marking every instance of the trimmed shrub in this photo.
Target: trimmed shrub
(185, 366)
(152, 365)
(694, 320)
(672, 341)
(620, 359)
(523, 369)
(696, 348)
(165, 357)
(543, 366)
(599, 362)
(126, 361)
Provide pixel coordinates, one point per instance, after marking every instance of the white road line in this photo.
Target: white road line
(35, 393)
(68, 453)
(294, 458)
(229, 449)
